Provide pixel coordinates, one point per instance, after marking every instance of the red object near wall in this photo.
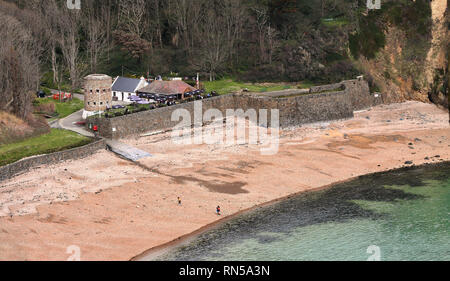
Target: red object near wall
(95, 128)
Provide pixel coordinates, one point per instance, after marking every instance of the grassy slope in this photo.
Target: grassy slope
(227, 86)
(56, 140)
(14, 129)
(332, 22)
(64, 109)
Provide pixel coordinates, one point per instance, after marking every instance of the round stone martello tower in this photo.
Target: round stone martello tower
(97, 94)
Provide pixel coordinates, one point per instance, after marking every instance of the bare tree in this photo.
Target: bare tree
(96, 35)
(155, 12)
(131, 43)
(132, 16)
(272, 42)
(19, 63)
(130, 33)
(69, 41)
(212, 52)
(262, 18)
(235, 15)
(50, 13)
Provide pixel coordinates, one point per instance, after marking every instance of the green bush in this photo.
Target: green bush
(413, 17)
(369, 39)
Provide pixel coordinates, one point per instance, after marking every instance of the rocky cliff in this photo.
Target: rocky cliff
(413, 63)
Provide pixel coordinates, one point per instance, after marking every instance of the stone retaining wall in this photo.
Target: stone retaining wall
(24, 165)
(359, 93)
(324, 88)
(153, 120)
(330, 105)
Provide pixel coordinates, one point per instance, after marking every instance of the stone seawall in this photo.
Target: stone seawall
(24, 165)
(154, 120)
(323, 103)
(359, 93)
(303, 109)
(315, 108)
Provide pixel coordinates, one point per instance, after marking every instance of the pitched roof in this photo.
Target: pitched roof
(123, 84)
(167, 88)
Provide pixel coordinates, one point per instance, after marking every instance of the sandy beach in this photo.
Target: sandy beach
(114, 209)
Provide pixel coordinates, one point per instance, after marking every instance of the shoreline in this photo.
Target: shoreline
(113, 209)
(158, 251)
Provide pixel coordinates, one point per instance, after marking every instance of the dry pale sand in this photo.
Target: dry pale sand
(115, 210)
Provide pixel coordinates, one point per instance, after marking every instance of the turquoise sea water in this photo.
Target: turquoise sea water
(401, 215)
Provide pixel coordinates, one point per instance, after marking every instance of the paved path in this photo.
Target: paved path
(54, 124)
(126, 151)
(69, 123)
(122, 149)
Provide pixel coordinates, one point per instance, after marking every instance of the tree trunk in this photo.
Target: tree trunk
(54, 68)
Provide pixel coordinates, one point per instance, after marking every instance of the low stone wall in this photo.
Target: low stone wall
(24, 165)
(324, 88)
(153, 120)
(330, 105)
(360, 95)
(315, 108)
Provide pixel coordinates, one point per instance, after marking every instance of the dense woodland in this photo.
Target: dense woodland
(275, 40)
(45, 43)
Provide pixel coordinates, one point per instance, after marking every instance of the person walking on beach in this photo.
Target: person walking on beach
(218, 210)
(179, 201)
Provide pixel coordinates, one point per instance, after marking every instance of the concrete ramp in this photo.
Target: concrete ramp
(126, 151)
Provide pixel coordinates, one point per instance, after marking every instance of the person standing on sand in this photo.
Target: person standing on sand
(179, 201)
(218, 210)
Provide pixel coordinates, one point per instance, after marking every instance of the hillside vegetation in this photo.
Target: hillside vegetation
(14, 129)
(403, 48)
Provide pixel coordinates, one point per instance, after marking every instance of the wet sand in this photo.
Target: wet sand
(115, 210)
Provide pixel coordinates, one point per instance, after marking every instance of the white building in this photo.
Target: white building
(122, 87)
